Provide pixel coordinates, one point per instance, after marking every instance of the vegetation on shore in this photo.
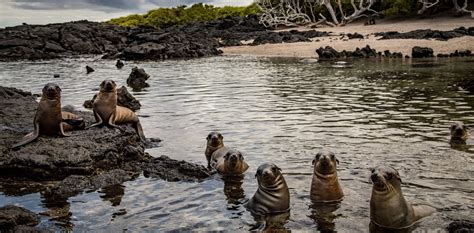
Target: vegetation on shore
(164, 17)
(274, 13)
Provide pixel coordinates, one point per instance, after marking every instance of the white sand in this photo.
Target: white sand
(307, 49)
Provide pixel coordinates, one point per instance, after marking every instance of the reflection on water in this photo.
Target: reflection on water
(369, 112)
(324, 216)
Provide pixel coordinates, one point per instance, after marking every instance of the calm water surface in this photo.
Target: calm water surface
(277, 110)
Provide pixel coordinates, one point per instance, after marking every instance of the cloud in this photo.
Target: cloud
(101, 5)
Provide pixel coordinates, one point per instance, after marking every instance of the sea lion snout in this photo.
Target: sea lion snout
(51, 90)
(458, 131)
(108, 85)
(325, 162)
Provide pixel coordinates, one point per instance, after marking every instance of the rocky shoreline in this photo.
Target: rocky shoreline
(88, 160)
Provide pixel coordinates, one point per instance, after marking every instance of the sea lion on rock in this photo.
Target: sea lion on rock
(107, 112)
(325, 185)
(49, 119)
(458, 131)
(388, 208)
(215, 140)
(272, 195)
(228, 161)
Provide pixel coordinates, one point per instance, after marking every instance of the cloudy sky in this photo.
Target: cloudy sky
(14, 12)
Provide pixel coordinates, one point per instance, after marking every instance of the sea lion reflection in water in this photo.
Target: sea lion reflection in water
(107, 112)
(49, 118)
(388, 208)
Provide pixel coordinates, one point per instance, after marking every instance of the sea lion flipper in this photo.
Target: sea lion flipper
(61, 130)
(98, 118)
(422, 211)
(29, 137)
(139, 130)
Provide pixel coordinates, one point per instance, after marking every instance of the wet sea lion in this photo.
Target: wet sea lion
(458, 132)
(49, 119)
(272, 195)
(388, 208)
(325, 185)
(215, 140)
(107, 112)
(228, 161)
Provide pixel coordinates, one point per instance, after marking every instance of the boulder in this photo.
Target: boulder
(137, 78)
(13, 216)
(89, 69)
(420, 52)
(172, 170)
(328, 53)
(355, 36)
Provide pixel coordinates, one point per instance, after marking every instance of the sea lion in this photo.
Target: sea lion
(49, 119)
(215, 140)
(272, 195)
(107, 112)
(325, 185)
(388, 208)
(458, 132)
(228, 161)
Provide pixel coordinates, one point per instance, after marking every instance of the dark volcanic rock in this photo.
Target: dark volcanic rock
(420, 52)
(172, 170)
(119, 64)
(355, 36)
(427, 34)
(328, 53)
(13, 216)
(461, 226)
(287, 37)
(124, 99)
(75, 184)
(89, 69)
(137, 78)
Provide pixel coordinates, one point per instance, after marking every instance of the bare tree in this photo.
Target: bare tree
(426, 4)
(284, 12)
(462, 9)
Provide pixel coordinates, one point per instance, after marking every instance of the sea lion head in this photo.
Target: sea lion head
(52, 91)
(234, 162)
(458, 131)
(325, 162)
(215, 139)
(108, 85)
(385, 179)
(268, 175)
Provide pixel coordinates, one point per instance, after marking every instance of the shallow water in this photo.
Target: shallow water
(392, 112)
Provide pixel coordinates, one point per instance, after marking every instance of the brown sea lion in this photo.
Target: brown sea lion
(388, 208)
(325, 185)
(272, 195)
(458, 132)
(106, 111)
(49, 119)
(228, 161)
(215, 140)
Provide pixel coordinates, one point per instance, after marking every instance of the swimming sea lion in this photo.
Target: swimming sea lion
(49, 119)
(272, 195)
(107, 112)
(228, 161)
(325, 185)
(215, 140)
(388, 208)
(458, 131)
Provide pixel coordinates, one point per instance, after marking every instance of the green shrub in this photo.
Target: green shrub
(164, 17)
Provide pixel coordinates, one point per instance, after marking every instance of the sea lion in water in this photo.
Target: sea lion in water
(272, 195)
(388, 208)
(325, 185)
(215, 140)
(107, 112)
(228, 161)
(49, 119)
(459, 132)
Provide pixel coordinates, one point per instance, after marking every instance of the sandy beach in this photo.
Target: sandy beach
(307, 49)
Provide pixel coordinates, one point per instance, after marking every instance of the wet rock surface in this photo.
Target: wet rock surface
(13, 217)
(461, 226)
(427, 34)
(137, 78)
(89, 159)
(124, 99)
(420, 52)
(329, 53)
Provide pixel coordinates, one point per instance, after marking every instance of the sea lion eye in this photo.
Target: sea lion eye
(372, 170)
(226, 156)
(220, 136)
(208, 136)
(333, 156)
(389, 176)
(318, 155)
